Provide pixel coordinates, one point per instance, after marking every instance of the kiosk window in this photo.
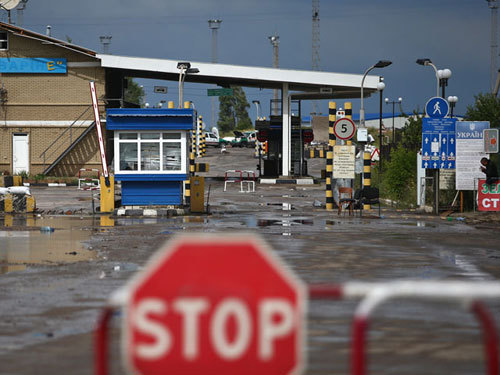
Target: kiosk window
(150, 156)
(151, 152)
(128, 156)
(172, 156)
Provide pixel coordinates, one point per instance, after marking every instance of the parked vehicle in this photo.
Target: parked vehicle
(211, 139)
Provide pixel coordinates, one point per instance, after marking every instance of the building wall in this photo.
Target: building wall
(44, 106)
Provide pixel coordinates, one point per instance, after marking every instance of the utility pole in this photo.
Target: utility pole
(315, 44)
(493, 5)
(275, 41)
(214, 25)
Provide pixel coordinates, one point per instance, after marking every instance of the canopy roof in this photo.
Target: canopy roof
(306, 84)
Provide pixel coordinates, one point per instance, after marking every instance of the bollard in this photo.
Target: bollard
(171, 104)
(187, 192)
(367, 176)
(187, 105)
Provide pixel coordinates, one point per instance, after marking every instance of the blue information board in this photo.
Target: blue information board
(438, 143)
(33, 65)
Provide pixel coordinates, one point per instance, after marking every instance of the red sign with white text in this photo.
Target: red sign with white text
(488, 196)
(213, 304)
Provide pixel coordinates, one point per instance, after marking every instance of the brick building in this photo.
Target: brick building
(46, 118)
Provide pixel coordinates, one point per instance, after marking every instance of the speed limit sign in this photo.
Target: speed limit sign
(344, 128)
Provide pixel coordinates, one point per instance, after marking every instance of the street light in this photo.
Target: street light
(185, 68)
(428, 62)
(443, 75)
(387, 101)
(380, 88)
(257, 105)
(453, 102)
(379, 64)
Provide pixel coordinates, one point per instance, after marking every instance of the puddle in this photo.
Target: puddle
(284, 206)
(25, 244)
(418, 224)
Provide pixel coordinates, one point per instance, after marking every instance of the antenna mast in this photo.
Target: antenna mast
(493, 5)
(315, 43)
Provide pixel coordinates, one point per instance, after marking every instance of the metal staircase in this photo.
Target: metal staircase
(56, 145)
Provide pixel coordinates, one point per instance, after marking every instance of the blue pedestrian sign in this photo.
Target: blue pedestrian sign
(438, 143)
(437, 107)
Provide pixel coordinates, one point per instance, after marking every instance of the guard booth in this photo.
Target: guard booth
(151, 153)
(272, 131)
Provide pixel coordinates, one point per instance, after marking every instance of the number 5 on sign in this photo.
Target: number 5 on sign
(344, 128)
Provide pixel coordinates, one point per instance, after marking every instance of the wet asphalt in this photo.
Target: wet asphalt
(50, 302)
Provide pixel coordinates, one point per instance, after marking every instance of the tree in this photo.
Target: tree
(400, 175)
(233, 111)
(411, 138)
(134, 93)
(486, 108)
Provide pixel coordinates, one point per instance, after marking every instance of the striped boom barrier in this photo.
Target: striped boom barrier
(332, 117)
(367, 175)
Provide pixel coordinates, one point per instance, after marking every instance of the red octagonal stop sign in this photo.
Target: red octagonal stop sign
(215, 305)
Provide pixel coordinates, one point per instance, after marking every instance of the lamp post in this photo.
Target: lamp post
(443, 75)
(387, 101)
(453, 102)
(380, 88)
(379, 64)
(257, 105)
(185, 68)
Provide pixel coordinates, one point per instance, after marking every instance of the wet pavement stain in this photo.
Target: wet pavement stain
(32, 243)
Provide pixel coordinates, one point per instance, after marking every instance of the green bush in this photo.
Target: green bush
(399, 179)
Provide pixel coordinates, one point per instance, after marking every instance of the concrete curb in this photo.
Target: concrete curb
(49, 184)
(150, 212)
(295, 181)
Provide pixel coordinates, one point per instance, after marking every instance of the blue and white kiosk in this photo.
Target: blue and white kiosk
(151, 153)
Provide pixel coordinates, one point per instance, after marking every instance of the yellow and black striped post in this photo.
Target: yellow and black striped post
(332, 115)
(203, 144)
(367, 175)
(348, 114)
(198, 137)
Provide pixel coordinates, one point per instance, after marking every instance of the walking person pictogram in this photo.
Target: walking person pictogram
(437, 109)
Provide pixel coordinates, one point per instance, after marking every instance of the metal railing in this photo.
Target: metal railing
(69, 129)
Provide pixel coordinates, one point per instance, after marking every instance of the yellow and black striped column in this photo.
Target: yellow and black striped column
(348, 114)
(367, 175)
(198, 137)
(203, 144)
(332, 115)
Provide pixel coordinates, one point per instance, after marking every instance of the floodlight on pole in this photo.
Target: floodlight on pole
(257, 105)
(185, 68)
(379, 64)
(214, 25)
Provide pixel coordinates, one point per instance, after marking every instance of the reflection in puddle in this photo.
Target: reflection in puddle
(30, 246)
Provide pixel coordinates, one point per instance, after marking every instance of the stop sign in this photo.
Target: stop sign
(215, 305)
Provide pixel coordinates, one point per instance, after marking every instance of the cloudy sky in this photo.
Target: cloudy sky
(455, 34)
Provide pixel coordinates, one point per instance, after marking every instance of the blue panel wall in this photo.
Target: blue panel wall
(144, 193)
